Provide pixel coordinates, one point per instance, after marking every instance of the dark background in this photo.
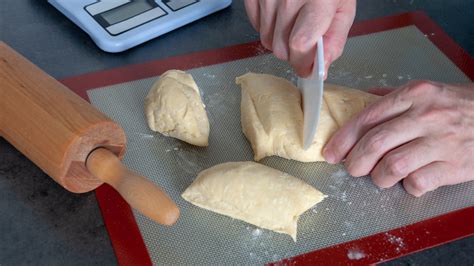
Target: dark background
(41, 223)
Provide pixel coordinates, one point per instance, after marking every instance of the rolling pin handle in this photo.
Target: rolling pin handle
(138, 191)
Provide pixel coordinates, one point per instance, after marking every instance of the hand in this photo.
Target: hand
(291, 28)
(422, 133)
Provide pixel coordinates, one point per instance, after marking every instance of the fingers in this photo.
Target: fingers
(380, 140)
(429, 177)
(312, 22)
(434, 152)
(336, 36)
(291, 28)
(402, 161)
(285, 20)
(268, 12)
(349, 134)
(253, 12)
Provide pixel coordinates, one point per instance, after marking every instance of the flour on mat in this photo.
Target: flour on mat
(189, 161)
(259, 250)
(256, 232)
(355, 254)
(341, 173)
(395, 240)
(383, 82)
(338, 179)
(207, 75)
(143, 135)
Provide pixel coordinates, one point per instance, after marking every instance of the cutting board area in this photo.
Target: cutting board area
(354, 209)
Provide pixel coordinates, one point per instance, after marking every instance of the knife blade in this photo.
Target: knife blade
(312, 91)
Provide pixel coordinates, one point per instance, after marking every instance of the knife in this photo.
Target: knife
(312, 90)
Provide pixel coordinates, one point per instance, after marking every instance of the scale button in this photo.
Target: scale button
(103, 6)
(176, 5)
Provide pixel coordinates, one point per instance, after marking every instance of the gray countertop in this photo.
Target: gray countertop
(40, 222)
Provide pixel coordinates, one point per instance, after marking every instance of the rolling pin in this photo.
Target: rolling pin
(71, 141)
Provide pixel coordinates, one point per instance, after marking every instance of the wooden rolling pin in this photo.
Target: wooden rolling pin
(74, 143)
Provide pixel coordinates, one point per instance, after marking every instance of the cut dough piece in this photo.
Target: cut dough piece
(254, 193)
(174, 108)
(272, 117)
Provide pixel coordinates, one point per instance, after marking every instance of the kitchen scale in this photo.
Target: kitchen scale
(117, 25)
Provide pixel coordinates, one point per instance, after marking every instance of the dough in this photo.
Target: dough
(272, 116)
(254, 193)
(174, 108)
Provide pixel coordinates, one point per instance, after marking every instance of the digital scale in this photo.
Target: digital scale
(117, 25)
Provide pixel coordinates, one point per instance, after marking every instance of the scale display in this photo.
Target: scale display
(125, 12)
(117, 25)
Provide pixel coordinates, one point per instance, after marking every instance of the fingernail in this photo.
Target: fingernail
(329, 156)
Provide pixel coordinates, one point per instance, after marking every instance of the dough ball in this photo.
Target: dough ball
(174, 108)
(272, 116)
(254, 193)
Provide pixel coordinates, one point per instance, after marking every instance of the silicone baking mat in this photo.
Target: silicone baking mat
(355, 208)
